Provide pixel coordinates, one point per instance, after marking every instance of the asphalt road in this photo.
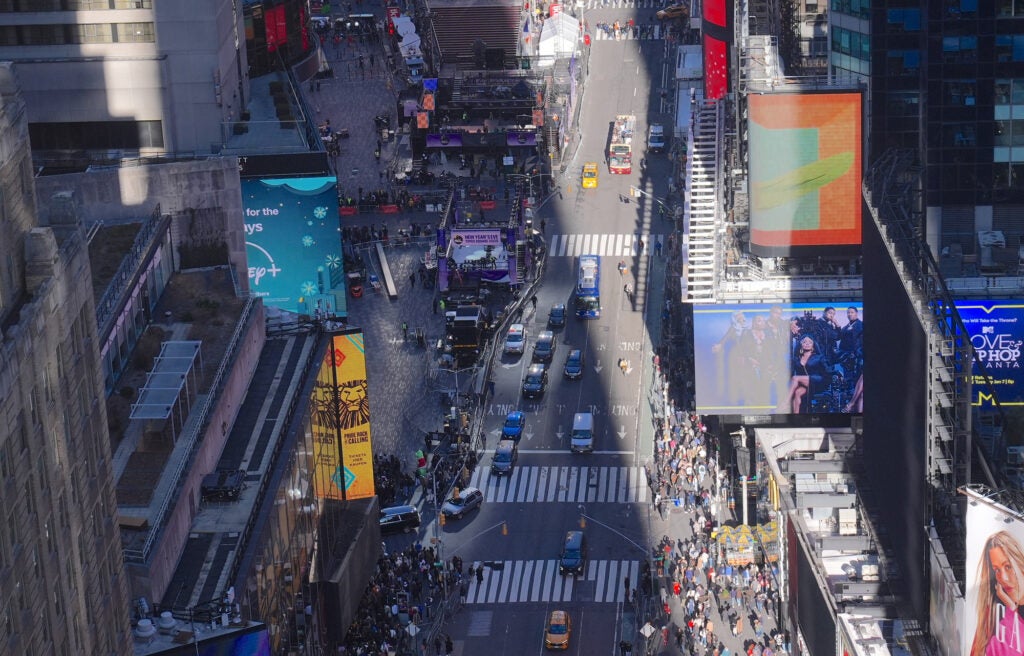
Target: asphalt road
(552, 488)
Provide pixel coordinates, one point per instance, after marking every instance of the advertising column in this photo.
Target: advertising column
(342, 448)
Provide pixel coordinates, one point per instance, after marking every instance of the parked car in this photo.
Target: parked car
(504, 459)
(574, 364)
(399, 518)
(535, 382)
(462, 502)
(556, 315)
(544, 349)
(514, 423)
(515, 340)
(558, 630)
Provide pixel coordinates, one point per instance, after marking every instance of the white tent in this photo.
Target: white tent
(558, 38)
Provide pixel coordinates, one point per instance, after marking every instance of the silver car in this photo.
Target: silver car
(467, 499)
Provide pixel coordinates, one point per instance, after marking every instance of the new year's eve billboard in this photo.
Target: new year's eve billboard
(994, 595)
(997, 333)
(340, 421)
(479, 252)
(786, 358)
(805, 172)
(292, 240)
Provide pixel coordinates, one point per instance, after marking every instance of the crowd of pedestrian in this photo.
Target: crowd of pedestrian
(709, 589)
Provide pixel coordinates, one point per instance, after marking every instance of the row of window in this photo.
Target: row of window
(848, 42)
(73, 34)
(97, 135)
(71, 5)
(857, 8)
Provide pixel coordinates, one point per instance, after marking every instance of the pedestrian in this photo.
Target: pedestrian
(412, 280)
(543, 225)
(440, 303)
(628, 290)
(622, 267)
(437, 645)
(434, 306)
(657, 247)
(405, 330)
(533, 302)
(448, 646)
(640, 246)
(624, 365)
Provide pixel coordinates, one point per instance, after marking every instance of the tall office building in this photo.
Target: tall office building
(122, 78)
(62, 584)
(948, 80)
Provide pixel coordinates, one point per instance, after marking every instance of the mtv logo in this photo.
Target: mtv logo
(985, 330)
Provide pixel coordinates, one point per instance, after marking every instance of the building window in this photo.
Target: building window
(1010, 47)
(135, 33)
(1009, 8)
(960, 92)
(959, 49)
(959, 135)
(41, 35)
(858, 8)
(961, 8)
(902, 62)
(1009, 133)
(904, 20)
(92, 33)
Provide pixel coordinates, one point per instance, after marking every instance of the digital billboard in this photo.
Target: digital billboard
(786, 358)
(994, 581)
(805, 172)
(997, 333)
(340, 421)
(293, 242)
(716, 28)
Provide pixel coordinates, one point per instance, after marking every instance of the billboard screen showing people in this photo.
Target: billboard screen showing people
(995, 581)
(792, 358)
(340, 421)
(292, 241)
(805, 172)
(997, 334)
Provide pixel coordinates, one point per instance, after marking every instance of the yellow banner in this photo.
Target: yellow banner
(341, 419)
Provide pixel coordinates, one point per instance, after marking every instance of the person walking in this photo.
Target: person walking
(533, 302)
(657, 247)
(480, 574)
(412, 280)
(405, 331)
(629, 291)
(622, 267)
(449, 647)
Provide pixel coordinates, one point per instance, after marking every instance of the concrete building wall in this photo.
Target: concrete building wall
(62, 583)
(203, 197)
(190, 75)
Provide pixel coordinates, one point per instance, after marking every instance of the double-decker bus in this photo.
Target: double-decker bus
(588, 287)
(620, 151)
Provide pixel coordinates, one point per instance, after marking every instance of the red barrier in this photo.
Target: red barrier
(488, 204)
(389, 209)
(348, 210)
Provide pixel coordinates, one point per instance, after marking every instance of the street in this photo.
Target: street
(552, 490)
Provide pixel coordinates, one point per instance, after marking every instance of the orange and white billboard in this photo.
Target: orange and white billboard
(340, 420)
(805, 172)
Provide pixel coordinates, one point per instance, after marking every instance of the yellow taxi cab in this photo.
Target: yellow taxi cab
(556, 635)
(590, 175)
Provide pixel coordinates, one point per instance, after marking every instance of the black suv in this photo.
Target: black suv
(399, 518)
(535, 382)
(556, 315)
(544, 349)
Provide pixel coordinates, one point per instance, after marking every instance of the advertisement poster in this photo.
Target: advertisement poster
(479, 252)
(340, 420)
(791, 358)
(292, 240)
(997, 333)
(805, 171)
(995, 581)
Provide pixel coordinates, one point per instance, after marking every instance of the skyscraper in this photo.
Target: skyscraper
(62, 584)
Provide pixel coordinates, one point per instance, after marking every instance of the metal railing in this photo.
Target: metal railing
(141, 555)
(132, 262)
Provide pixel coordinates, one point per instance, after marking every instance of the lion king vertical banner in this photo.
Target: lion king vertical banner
(341, 421)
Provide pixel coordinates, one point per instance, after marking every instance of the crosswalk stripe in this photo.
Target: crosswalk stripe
(563, 484)
(619, 245)
(531, 581)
